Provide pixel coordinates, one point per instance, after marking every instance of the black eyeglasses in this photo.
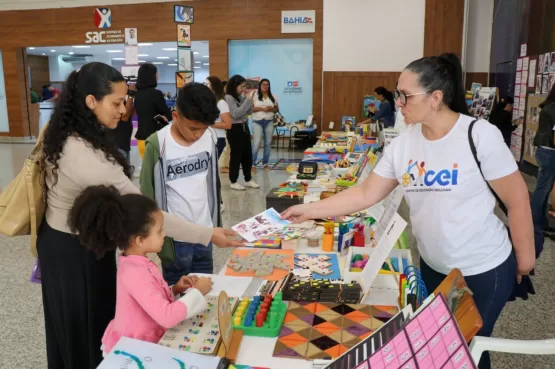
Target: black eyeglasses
(402, 97)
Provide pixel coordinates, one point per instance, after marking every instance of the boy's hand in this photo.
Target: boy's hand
(204, 285)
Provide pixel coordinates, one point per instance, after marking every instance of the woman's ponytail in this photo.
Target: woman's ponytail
(443, 73)
(458, 101)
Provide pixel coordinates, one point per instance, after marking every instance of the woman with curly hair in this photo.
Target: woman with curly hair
(78, 285)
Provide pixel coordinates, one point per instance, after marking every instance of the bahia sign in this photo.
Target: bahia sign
(298, 21)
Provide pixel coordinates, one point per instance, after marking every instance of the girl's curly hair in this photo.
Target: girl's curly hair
(106, 220)
(72, 117)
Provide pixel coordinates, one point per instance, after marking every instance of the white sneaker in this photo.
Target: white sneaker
(237, 186)
(252, 184)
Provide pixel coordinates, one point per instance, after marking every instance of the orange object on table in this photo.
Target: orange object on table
(467, 315)
(275, 276)
(327, 244)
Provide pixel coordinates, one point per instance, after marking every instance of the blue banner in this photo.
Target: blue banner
(286, 63)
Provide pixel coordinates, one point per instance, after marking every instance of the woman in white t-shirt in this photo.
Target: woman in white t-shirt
(451, 206)
(224, 121)
(265, 107)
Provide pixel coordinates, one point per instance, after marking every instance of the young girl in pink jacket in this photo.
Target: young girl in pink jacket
(145, 305)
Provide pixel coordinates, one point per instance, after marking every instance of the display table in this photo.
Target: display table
(258, 351)
(380, 290)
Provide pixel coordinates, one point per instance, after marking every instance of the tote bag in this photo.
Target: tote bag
(22, 203)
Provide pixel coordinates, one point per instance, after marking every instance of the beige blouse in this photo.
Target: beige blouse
(80, 166)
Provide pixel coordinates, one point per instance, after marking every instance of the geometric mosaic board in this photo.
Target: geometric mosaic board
(431, 339)
(327, 330)
(199, 334)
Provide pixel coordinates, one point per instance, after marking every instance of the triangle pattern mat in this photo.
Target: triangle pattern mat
(314, 330)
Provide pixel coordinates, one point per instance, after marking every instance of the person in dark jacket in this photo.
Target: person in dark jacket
(386, 111)
(124, 130)
(502, 118)
(545, 157)
(149, 102)
(46, 93)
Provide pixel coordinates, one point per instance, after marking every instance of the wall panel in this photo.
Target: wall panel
(344, 92)
(40, 72)
(216, 21)
(476, 77)
(443, 27)
(372, 35)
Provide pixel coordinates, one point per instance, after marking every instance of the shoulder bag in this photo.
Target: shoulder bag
(23, 202)
(279, 120)
(526, 287)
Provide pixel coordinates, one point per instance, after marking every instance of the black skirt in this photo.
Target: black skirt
(79, 297)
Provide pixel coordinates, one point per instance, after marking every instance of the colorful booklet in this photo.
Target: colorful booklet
(261, 226)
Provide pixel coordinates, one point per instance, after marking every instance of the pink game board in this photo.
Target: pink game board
(430, 340)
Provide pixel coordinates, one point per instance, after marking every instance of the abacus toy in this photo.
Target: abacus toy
(261, 318)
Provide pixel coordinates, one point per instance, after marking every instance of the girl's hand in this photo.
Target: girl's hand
(297, 214)
(190, 280)
(184, 283)
(204, 285)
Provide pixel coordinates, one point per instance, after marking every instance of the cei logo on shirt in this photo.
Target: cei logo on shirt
(422, 178)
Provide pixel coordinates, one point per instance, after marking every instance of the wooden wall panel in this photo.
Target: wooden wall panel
(216, 21)
(476, 77)
(16, 93)
(443, 27)
(40, 72)
(344, 92)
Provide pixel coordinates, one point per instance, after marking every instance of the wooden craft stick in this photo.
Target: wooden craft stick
(392, 271)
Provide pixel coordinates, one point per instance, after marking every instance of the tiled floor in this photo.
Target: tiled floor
(21, 320)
